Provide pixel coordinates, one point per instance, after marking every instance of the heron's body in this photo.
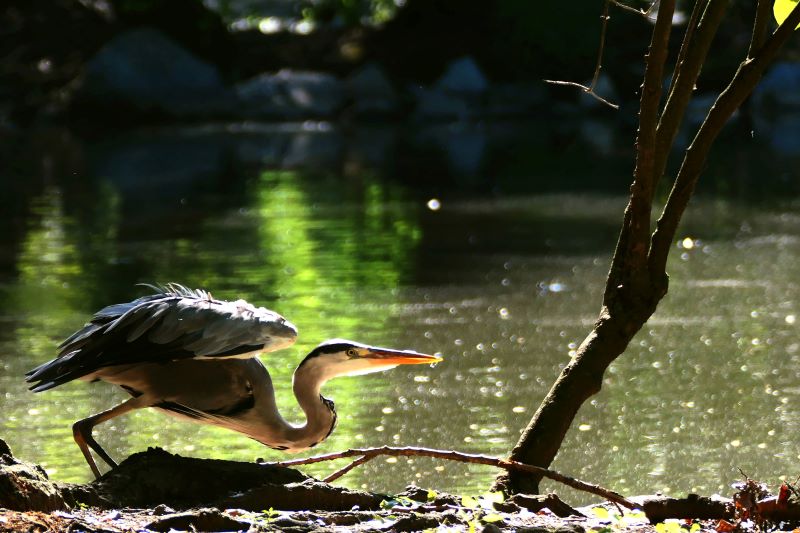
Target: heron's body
(194, 357)
(237, 394)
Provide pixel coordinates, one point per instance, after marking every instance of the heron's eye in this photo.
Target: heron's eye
(351, 352)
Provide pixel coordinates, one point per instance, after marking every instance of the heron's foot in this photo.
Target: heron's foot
(82, 433)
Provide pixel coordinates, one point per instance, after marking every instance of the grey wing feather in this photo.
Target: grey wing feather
(175, 324)
(148, 322)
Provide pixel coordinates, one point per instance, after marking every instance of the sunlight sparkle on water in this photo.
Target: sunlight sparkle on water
(303, 28)
(270, 25)
(556, 287)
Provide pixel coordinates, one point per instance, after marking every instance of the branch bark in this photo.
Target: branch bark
(760, 26)
(627, 265)
(687, 69)
(365, 454)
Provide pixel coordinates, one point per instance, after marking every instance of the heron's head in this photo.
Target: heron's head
(339, 357)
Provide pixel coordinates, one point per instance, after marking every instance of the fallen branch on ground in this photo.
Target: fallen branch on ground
(365, 454)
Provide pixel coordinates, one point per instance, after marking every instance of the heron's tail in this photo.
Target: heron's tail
(52, 373)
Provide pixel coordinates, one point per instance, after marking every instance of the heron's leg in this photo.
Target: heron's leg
(82, 432)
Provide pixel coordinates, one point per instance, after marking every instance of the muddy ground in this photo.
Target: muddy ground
(158, 491)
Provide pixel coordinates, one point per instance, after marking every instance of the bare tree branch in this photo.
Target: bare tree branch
(685, 77)
(691, 28)
(601, 47)
(648, 121)
(740, 87)
(760, 26)
(631, 252)
(365, 454)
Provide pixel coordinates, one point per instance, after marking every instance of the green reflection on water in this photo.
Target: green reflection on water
(43, 302)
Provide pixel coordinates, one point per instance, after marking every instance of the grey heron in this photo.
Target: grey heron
(194, 357)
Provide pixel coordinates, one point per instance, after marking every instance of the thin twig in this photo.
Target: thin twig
(598, 65)
(626, 7)
(603, 28)
(342, 471)
(585, 89)
(365, 454)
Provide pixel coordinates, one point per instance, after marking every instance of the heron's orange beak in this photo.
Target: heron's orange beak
(387, 356)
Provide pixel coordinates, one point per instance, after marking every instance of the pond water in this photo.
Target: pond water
(502, 275)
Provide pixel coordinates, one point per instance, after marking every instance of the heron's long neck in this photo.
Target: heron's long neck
(320, 414)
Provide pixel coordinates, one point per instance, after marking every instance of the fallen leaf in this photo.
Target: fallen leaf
(723, 526)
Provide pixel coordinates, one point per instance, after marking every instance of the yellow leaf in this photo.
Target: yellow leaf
(469, 502)
(669, 527)
(601, 513)
(782, 8)
(494, 497)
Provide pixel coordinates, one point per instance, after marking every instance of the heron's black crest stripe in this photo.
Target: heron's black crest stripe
(326, 349)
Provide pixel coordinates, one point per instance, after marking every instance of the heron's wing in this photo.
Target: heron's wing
(164, 327)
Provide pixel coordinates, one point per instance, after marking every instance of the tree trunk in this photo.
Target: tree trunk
(637, 279)
(579, 380)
